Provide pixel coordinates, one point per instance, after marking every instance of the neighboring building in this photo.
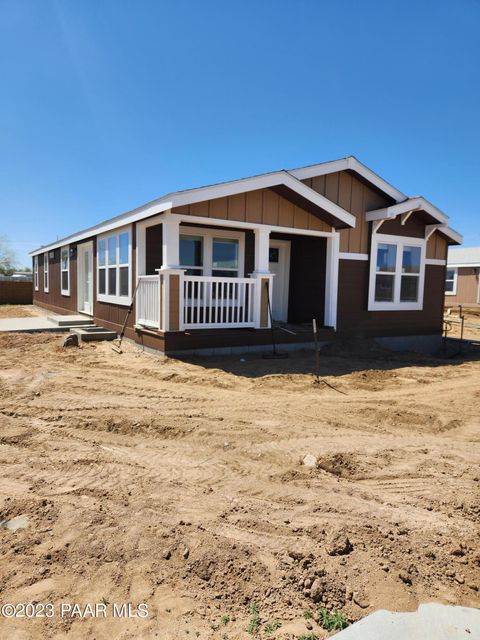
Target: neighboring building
(462, 283)
(333, 241)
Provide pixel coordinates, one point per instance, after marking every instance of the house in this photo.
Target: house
(462, 282)
(332, 241)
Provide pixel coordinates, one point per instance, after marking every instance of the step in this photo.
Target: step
(70, 321)
(89, 334)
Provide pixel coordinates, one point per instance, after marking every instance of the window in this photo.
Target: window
(113, 268)
(191, 255)
(35, 272)
(209, 252)
(225, 258)
(65, 270)
(45, 272)
(396, 273)
(451, 282)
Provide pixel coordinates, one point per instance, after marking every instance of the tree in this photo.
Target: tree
(7, 257)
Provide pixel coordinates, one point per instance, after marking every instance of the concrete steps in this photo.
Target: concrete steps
(70, 321)
(93, 333)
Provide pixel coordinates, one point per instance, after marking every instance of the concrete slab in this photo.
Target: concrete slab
(29, 325)
(89, 334)
(431, 621)
(74, 320)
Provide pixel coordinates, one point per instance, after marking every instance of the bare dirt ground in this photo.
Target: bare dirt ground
(471, 323)
(181, 485)
(17, 311)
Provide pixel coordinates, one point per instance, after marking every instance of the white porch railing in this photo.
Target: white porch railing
(148, 301)
(210, 302)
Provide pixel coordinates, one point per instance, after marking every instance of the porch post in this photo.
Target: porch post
(263, 278)
(170, 277)
(331, 280)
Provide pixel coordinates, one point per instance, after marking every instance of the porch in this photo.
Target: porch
(208, 280)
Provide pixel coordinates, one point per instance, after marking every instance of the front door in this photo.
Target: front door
(279, 264)
(85, 278)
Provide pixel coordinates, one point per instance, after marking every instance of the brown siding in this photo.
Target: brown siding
(54, 300)
(262, 206)
(468, 282)
(413, 228)
(174, 302)
(356, 197)
(354, 319)
(437, 247)
(16, 292)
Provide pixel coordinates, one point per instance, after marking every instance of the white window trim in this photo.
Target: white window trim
(65, 292)
(455, 279)
(46, 272)
(208, 235)
(400, 242)
(35, 272)
(105, 297)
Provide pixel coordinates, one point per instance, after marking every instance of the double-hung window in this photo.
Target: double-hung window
(397, 270)
(35, 272)
(46, 273)
(65, 270)
(114, 267)
(208, 252)
(451, 281)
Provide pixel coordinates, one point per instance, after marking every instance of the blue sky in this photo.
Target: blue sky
(108, 104)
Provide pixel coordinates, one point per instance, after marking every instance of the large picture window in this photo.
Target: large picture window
(46, 272)
(396, 273)
(65, 270)
(451, 282)
(209, 252)
(114, 267)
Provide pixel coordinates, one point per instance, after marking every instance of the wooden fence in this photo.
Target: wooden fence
(16, 292)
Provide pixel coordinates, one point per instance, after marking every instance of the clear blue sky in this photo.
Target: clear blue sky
(107, 104)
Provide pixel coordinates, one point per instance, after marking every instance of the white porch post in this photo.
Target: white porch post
(170, 277)
(331, 280)
(262, 276)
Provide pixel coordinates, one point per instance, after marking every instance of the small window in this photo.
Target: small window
(113, 268)
(46, 272)
(451, 282)
(65, 270)
(35, 272)
(385, 278)
(191, 255)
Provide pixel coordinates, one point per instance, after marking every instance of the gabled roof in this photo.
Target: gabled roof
(287, 183)
(331, 212)
(413, 205)
(464, 257)
(350, 163)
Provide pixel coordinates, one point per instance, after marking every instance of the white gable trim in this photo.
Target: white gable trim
(353, 164)
(207, 193)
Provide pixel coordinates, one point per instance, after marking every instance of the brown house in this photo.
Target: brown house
(210, 267)
(462, 282)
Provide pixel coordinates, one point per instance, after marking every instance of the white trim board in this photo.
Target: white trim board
(222, 190)
(353, 256)
(350, 162)
(435, 261)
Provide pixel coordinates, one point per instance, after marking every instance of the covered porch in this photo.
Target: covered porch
(198, 276)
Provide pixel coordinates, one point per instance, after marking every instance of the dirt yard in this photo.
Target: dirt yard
(181, 485)
(18, 311)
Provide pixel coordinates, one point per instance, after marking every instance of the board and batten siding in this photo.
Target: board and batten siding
(261, 206)
(354, 196)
